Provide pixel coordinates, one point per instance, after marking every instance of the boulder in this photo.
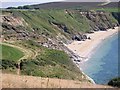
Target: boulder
(76, 37)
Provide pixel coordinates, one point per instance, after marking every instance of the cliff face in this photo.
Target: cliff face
(116, 15)
(100, 21)
(56, 25)
(54, 28)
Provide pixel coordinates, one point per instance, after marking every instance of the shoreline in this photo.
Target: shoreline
(87, 77)
(86, 48)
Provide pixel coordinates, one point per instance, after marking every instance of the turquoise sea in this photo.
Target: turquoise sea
(103, 64)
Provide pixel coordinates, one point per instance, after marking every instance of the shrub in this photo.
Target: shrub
(115, 82)
(6, 64)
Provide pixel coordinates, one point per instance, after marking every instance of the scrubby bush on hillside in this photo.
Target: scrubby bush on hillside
(50, 63)
(115, 82)
(6, 64)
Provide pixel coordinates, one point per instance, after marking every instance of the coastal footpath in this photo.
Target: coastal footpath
(55, 41)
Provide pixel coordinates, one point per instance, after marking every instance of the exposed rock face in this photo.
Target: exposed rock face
(79, 37)
(15, 27)
(61, 26)
(117, 16)
(14, 21)
(13, 32)
(99, 20)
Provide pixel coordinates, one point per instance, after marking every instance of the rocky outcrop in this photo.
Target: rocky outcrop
(116, 15)
(11, 32)
(80, 37)
(100, 20)
(14, 21)
(61, 27)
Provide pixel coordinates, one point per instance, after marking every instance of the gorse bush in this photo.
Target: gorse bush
(6, 64)
(115, 82)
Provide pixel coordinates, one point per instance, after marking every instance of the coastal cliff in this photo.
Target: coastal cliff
(46, 32)
(55, 26)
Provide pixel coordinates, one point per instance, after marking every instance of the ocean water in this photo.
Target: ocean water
(103, 64)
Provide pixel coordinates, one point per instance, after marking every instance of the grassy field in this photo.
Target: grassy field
(10, 53)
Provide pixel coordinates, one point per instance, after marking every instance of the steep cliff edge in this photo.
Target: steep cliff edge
(54, 28)
(60, 25)
(46, 31)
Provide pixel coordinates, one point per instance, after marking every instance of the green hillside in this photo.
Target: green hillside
(44, 32)
(43, 19)
(10, 53)
(48, 62)
(52, 22)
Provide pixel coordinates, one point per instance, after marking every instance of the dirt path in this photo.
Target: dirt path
(28, 54)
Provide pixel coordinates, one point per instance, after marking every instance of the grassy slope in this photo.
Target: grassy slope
(40, 19)
(9, 59)
(50, 63)
(10, 53)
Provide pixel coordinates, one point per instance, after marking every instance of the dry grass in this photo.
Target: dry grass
(16, 81)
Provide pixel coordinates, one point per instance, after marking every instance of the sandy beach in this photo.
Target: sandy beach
(86, 48)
